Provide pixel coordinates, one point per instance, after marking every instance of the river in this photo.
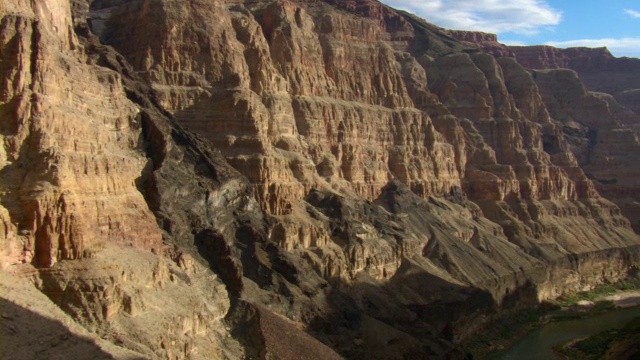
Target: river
(539, 343)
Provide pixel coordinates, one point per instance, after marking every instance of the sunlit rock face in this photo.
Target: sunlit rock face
(301, 96)
(605, 132)
(224, 170)
(71, 143)
(593, 95)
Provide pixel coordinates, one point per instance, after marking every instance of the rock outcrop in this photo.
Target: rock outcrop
(486, 41)
(604, 91)
(71, 153)
(549, 57)
(257, 179)
(597, 67)
(605, 135)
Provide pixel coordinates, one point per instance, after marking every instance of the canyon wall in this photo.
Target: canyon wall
(608, 135)
(188, 179)
(599, 116)
(598, 69)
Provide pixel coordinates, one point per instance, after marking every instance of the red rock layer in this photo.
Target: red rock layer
(486, 41)
(301, 96)
(597, 67)
(71, 153)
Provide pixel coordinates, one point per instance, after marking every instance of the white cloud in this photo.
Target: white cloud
(619, 47)
(633, 13)
(525, 17)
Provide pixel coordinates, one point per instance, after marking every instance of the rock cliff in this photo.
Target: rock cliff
(610, 96)
(605, 91)
(486, 41)
(289, 178)
(598, 69)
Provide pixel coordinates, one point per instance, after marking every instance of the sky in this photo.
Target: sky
(562, 23)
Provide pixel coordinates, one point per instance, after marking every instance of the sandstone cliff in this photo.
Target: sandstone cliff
(219, 178)
(486, 41)
(608, 146)
(598, 69)
(604, 90)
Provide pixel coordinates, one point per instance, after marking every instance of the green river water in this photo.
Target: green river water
(539, 343)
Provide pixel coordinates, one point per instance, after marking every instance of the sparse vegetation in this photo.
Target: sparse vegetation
(631, 283)
(610, 344)
(504, 332)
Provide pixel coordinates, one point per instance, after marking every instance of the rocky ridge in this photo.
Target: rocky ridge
(605, 90)
(612, 83)
(597, 68)
(188, 180)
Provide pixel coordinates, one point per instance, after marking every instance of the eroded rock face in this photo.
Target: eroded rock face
(600, 109)
(317, 113)
(601, 127)
(598, 68)
(630, 98)
(486, 41)
(71, 154)
(347, 167)
(147, 303)
(72, 167)
(549, 57)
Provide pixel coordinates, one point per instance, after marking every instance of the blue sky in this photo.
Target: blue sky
(563, 23)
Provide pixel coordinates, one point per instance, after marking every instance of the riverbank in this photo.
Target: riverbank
(615, 344)
(579, 338)
(622, 299)
(503, 333)
(625, 299)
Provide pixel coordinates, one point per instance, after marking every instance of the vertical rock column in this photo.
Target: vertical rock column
(71, 154)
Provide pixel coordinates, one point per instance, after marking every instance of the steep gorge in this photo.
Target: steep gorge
(187, 179)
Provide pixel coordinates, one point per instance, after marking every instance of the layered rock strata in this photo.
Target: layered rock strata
(214, 178)
(486, 41)
(73, 161)
(598, 68)
(604, 92)
(607, 132)
(71, 153)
